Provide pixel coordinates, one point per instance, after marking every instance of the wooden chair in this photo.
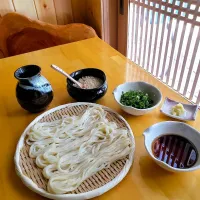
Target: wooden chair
(19, 34)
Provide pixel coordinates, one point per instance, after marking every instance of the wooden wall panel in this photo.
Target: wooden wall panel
(110, 22)
(58, 11)
(63, 11)
(46, 11)
(113, 23)
(79, 10)
(93, 15)
(123, 28)
(6, 6)
(25, 7)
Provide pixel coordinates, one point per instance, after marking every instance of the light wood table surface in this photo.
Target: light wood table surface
(145, 180)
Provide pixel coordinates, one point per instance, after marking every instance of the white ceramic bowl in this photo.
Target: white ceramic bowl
(169, 128)
(153, 92)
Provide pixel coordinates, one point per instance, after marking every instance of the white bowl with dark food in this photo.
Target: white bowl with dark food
(174, 146)
(137, 98)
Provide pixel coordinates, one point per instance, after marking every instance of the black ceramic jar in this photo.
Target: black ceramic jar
(34, 93)
(87, 95)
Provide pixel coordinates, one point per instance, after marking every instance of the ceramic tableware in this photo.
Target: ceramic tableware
(173, 154)
(153, 92)
(34, 92)
(87, 95)
(189, 114)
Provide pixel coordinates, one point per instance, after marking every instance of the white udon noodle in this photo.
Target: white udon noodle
(74, 148)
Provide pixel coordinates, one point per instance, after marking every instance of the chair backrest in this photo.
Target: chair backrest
(20, 34)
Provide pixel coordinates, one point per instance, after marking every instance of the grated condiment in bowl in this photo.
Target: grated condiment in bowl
(89, 82)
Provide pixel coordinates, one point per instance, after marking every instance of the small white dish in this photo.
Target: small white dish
(152, 91)
(169, 128)
(189, 114)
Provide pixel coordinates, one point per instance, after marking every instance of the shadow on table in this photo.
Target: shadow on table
(17, 112)
(149, 169)
(162, 182)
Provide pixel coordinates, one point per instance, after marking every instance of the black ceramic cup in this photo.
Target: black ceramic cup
(34, 93)
(87, 95)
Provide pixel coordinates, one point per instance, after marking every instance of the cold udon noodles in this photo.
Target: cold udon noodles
(71, 149)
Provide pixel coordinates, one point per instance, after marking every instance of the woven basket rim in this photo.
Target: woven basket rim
(86, 195)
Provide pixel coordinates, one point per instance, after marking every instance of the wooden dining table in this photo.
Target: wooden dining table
(145, 180)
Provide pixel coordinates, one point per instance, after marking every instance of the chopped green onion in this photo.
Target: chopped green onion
(136, 99)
